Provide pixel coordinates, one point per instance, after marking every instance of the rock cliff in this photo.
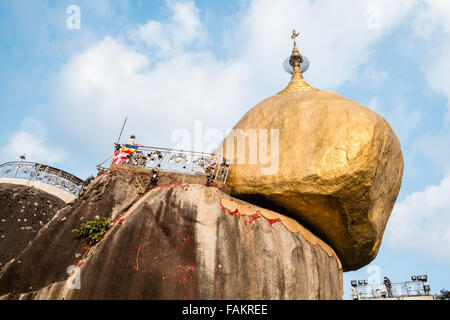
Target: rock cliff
(178, 240)
(23, 212)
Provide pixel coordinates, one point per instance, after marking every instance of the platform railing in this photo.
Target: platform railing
(214, 166)
(42, 173)
(399, 290)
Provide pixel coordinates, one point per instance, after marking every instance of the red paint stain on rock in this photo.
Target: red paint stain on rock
(185, 241)
(137, 258)
(254, 217)
(186, 274)
(217, 287)
(231, 203)
(272, 221)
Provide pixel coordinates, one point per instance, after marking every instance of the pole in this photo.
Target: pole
(122, 130)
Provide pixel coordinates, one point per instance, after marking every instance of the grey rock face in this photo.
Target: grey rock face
(23, 212)
(179, 241)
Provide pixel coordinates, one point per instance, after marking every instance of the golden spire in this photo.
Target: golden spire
(297, 82)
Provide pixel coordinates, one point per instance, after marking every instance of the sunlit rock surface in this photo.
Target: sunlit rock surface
(179, 240)
(339, 168)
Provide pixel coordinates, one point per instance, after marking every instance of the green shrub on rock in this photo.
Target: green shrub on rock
(93, 231)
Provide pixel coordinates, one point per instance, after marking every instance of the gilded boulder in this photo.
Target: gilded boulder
(335, 166)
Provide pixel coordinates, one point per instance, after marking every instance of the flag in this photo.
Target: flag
(116, 158)
(129, 149)
(122, 152)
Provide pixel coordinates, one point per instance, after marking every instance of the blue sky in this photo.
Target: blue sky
(180, 65)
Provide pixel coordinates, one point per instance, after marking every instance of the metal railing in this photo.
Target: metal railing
(214, 166)
(42, 173)
(399, 290)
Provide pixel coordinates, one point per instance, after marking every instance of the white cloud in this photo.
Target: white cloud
(437, 73)
(433, 24)
(183, 82)
(335, 36)
(111, 80)
(31, 140)
(436, 146)
(403, 119)
(375, 76)
(421, 222)
(374, 104)
(432, 18)
(183, 28)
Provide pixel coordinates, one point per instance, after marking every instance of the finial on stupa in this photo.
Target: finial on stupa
(294, 35)
(297, 82)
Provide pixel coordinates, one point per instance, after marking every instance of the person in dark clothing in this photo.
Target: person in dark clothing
(388, 286)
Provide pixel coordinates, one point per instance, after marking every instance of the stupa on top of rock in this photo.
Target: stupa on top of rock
(338, 165)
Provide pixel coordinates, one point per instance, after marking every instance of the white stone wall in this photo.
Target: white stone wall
(57, 192)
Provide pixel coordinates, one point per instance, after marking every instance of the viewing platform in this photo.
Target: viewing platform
(198, 167)
(408, 290)
(212, 166)
(55, 181)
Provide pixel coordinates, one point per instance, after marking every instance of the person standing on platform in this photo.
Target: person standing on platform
(132, 141)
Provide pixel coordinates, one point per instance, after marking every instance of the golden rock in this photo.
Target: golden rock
(339, 169)
(336, 166)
